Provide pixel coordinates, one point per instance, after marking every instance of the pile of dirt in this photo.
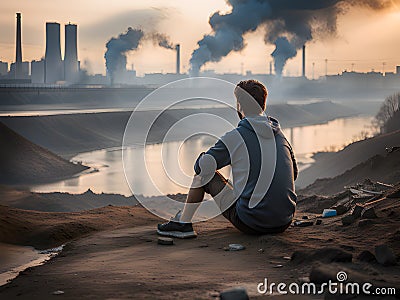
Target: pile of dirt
(44, 230)
(23, 162)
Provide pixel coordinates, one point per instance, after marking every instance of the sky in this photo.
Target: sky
(364, 41)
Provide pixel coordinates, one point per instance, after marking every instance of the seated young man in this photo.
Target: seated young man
(254, 204)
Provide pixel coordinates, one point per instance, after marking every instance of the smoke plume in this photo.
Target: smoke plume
(161, 40)
(289, 25)
(118, 47)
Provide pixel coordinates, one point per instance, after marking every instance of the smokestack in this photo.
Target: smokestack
(71, 53)
(18, 52)
(304, 61)
(53, 63)
(178, 58)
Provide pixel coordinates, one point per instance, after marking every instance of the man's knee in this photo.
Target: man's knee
(215, 185)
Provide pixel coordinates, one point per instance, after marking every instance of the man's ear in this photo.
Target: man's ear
(239, 111)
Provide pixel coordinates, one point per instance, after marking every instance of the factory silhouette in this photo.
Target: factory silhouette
(53, 71)
(52, 68)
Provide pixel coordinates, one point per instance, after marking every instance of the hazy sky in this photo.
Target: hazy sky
(364, 38)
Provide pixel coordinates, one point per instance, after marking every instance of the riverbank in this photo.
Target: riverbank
(354, 158)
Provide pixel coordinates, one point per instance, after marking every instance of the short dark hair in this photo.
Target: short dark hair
(255, 89)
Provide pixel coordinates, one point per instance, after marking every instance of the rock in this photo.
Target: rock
(165, 241)
(341, 209)
(303, 223)
(326, 255)
(236, 247)
(348, 220)
(234, 294)
(366, 256)
(368, 213)
(59, 292)
(277, 266)
(318, 222)
(385, 256)
(364, 223)
(357, 210)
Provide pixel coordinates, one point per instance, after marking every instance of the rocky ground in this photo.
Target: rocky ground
(113, 252)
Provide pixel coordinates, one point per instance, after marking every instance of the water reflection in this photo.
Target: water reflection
(178, 158)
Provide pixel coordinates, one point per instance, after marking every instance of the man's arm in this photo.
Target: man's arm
(214, 159)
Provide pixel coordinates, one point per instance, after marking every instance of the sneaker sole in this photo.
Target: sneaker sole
(177, 234)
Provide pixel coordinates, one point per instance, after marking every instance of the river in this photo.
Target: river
(107, 170)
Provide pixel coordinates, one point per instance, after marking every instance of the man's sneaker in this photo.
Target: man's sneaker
(176, 229)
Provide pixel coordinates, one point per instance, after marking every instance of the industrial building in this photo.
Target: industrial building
(37, 71)
(3, 68)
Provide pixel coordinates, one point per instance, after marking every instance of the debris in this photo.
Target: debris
(385, 184)
(234, 294)
(235, 247)
(341, 209)
(392, 149)
(303, 223)
(165, 241)
(278, 266)
(329, 213)
(59, 292)
(318, 222)
(368, 213)
(359, 193)
(385, 256)
(260, 250)
(348, 220)
(357, 210)
(287, 258)
(366, 256)
(304, 217)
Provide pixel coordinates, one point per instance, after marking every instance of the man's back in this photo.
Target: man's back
(277, 206)
(276, 198)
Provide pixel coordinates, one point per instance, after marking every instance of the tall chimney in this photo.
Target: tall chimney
(71, 54)
(178, 58)
(53, 62)
(18, 54)
(304, 61)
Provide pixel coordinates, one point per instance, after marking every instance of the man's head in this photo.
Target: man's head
(251, 96)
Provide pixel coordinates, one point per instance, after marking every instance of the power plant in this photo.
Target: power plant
(53, 70)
